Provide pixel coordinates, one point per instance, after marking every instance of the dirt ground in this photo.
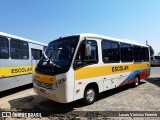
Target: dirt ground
(145, 97)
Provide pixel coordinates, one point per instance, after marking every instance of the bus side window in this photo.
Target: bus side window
(4, 48)
(145, 54)
(24, 50)
(137, 53)
(19, 49)
(110, 51)
(126, 52)
(36, 54)
(81, 59)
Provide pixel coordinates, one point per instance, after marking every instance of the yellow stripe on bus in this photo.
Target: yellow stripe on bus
(90, 72)
(14, 71)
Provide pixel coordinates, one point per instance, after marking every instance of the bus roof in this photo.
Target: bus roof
(91, 35)
(21, 38)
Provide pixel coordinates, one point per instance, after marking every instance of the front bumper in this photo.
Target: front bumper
(57, 94)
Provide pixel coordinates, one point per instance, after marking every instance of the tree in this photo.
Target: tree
(151, 51)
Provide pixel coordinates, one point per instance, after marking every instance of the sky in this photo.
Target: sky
(46, 20)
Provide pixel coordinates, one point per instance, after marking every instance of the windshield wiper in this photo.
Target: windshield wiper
(48, 59)
(56, 65)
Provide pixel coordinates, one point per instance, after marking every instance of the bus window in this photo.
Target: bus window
(19, 49)
(81, 59)
(126, 52)
(39, 54)
(145, 54)
(4, 50)
(36, 54)
(24, 50)
(137, 53)
(110, 51)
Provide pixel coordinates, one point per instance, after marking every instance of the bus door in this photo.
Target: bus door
(82, 62)
(36, 55)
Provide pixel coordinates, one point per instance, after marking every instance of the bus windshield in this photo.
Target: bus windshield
(58, 55)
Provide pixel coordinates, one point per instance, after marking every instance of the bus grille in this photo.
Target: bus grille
(44, 85)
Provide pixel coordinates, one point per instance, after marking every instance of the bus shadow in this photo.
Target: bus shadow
(154, 81)
(39, 104)
(36, 103)
(15, 90)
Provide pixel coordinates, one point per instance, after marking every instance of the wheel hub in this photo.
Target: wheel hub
(90, 95)
(136, 81)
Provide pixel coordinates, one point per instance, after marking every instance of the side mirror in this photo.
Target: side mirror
(88, 50)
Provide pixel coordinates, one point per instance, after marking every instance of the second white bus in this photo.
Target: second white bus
(18, 59)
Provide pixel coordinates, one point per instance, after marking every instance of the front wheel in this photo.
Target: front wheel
(90, 96)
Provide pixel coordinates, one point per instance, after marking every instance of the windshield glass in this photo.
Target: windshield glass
(58, 55)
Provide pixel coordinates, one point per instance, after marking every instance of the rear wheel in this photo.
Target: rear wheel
(90, 96)
(136, 82)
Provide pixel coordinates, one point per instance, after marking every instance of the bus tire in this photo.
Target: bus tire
(90, 96)
(136, 81)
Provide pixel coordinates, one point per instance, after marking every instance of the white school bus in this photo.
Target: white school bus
(84, 65)
(18, 58)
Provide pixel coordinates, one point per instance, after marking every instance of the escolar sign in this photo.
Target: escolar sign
(120, 68)
(21, 70)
